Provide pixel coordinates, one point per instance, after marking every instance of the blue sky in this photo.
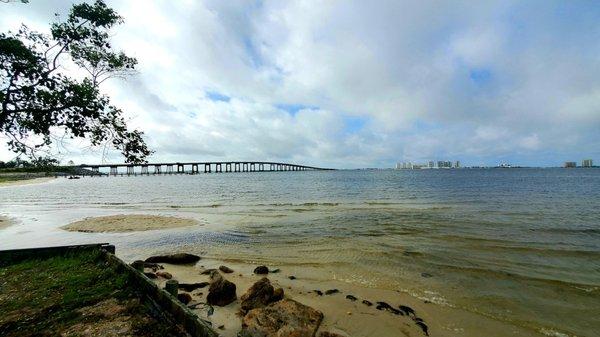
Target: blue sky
(355, 83)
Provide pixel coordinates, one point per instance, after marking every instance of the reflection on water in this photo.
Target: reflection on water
(521, 245)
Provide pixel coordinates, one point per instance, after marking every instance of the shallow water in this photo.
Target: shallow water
(517, 245)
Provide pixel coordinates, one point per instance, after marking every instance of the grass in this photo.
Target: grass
(49, 297)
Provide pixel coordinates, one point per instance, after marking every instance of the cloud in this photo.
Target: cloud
(351, 84)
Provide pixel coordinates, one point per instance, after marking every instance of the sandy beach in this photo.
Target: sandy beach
(127, 223)
(341, 315)
(23, 182)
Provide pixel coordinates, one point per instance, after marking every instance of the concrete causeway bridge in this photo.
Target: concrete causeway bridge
(197, 167)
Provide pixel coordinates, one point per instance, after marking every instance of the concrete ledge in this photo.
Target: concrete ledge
(162, 299)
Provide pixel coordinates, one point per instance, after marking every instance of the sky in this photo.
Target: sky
(350, 84)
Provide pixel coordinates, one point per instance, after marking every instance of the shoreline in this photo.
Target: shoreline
(342, 315)
(25, 181)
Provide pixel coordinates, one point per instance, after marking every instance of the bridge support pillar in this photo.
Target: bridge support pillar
(207, 168)
(95, 170)
(261, 167)
(169, 169)
(156, 169)
(130, 170)
(218, 168)
(245, 167)
(252, 167)
(180, 168)
(227, 167)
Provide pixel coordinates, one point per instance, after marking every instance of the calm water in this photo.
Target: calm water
(518, 245)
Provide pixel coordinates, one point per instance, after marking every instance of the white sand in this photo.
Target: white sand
(128, 223)
(22, 182)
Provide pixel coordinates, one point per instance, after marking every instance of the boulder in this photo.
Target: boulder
(192, 286)
(226, 269)
(179, 258)
(184, 298)
(261, 270)
(259, 295)
(277, 295)
(331, 291)
(164, 274)
(351, 297)
(221, 292)
(283, 318)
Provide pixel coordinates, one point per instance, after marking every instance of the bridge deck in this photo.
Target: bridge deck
(194, 167)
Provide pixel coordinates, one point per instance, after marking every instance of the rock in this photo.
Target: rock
(208, 271)
(138, 265)
(319, 292)
(261, 270)
(221, 327)
(258, 295)
(184, 298)
(153, 266)
(179, 258)
(331, 291)
(426, 275)
(351, 298)
(164, 274)
(292, 277)
(283, 318)
(385, 306)
(275, 271)
(329, 334)
(406, 310)
(423, 327)
(277, 295)
(226, 269)
(192, 286)
(150, 275)
(221, 292)
(367, 303)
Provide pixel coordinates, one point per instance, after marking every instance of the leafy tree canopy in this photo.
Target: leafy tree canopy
(40, 98)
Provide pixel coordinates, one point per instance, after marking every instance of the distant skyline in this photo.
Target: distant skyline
(354, 84)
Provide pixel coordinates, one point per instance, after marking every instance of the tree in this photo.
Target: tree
(40, 98)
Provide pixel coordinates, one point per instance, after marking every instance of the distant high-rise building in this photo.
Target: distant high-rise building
(440, 164)
(587, 163)
(570, 164)
(431, 164)
(457, 164)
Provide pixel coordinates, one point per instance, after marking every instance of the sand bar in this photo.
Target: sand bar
(22, 182)
(128, 223)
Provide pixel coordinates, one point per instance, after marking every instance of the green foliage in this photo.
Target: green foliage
(37, 98)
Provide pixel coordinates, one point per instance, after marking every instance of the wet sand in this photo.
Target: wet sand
(342, 316)
(23, 182)
(5, 222)
(123, 223)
